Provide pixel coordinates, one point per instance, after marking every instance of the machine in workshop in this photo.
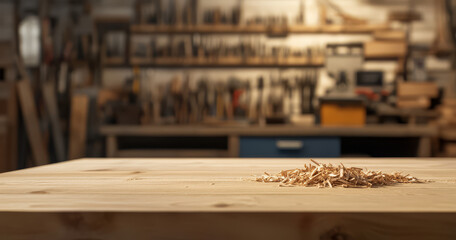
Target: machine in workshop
(341, 105)
(360, 96)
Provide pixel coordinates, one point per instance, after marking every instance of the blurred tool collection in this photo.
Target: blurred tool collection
(206, 47)
(246, 62)
(183, 101)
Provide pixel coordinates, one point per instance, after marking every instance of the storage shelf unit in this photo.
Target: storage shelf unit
(258, 29)
(240, 62)
(230, 62)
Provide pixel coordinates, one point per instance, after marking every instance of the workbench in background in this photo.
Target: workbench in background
(256, 141)
(216, 199)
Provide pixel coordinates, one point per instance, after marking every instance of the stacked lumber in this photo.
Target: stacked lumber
(381, 49)
(447, 123)
(447, 112)
(416, 95)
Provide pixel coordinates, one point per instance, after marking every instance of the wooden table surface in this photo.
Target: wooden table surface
(148, 198)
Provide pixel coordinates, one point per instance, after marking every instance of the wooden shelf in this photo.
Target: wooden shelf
(258, 29)
(230, 62)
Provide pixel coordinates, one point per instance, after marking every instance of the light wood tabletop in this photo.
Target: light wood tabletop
(106, 198)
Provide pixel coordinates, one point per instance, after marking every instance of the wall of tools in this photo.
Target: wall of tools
(147, 49)
(194, 45)
(157, 62)
(195, 97)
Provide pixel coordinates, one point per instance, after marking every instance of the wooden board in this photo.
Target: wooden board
(78, 126)
(413, 102)
(32, 125)
(56, 129)
(262, 29)
(385, 49)
(389, 35)
(417, 89)
(215, 199)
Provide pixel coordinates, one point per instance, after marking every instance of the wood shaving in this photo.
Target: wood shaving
(327, 175)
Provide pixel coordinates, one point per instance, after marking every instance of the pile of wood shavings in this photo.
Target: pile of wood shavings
(327, 175)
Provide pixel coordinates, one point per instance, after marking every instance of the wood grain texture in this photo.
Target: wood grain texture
(214, 199)
(32, 125)
(78, 126)
(204, 184)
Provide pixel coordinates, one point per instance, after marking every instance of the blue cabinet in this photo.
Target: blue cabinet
(291, 147)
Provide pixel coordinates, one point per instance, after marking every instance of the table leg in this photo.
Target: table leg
(111, 146)
(233, 146)
(425, 147)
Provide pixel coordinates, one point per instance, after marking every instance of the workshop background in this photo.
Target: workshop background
(232, 78)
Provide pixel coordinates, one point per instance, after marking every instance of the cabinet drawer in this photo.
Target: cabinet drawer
(308, 147)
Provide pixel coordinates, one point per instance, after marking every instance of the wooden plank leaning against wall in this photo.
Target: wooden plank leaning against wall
(8, 111)
(32, 125)
(78, 126)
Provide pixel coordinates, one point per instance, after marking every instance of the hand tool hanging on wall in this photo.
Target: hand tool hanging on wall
(313, 86)
(236, 13)
(300, 19)
(188, 101)
(307, 85)
(260, 100)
